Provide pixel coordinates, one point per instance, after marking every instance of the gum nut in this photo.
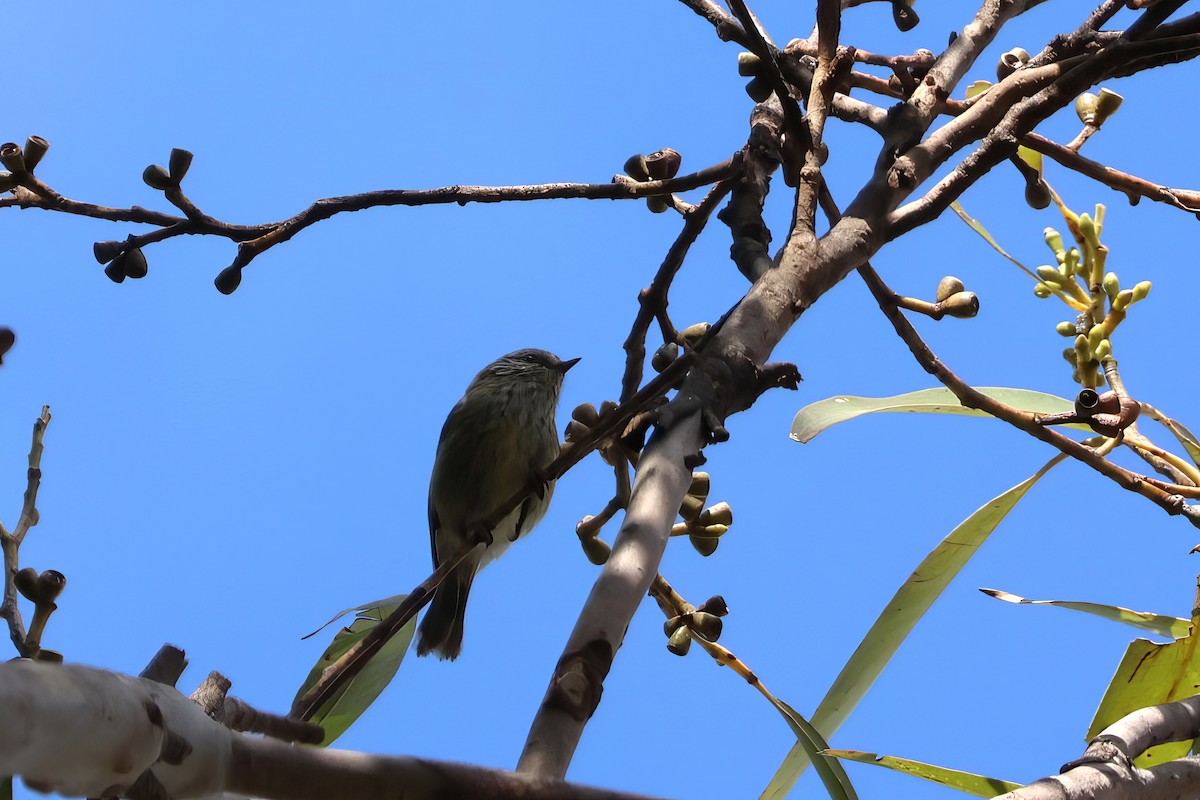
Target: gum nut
(664, 356)
(949, 285)
(116, 270)
(26, 581)
(156, 177)
(1037, 194)
(585, 413)
(672, 625)
(657, 205)
(50, 585)
(748, 65)
(1085, 108)
(701, 483)
(576, 430)
(707, 625)
(135, 263)
(179, 163)
(720, 514)
(1106, 105)
(704, 546)
(963, 305)
(663, 164)
(597, 550)
(107, 251)
(759, 89)
(693, 333)
(680, 641)
(715, 605)
(35, 148)
(635, 167)
(228, 279)
(607, 407)
(691, 507)
(12, 158)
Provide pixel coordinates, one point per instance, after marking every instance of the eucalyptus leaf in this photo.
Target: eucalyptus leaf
(345, 707)
(1150, 674)
(899, 617)
(968, 782)
(1173, 627)
(824, 414)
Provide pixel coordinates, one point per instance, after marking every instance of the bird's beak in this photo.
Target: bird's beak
(563, 366)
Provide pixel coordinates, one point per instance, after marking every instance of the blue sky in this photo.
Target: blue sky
(224, 473)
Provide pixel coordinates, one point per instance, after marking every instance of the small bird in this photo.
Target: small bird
(498, 437)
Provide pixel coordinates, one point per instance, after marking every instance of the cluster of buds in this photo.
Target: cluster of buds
(658, 166)
(704, 622)
(704, 527)
(20, 163)
(1080, 280)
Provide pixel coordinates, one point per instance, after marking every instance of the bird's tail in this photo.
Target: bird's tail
(441, 630)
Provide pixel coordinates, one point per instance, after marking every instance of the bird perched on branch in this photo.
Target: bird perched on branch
(496, 441)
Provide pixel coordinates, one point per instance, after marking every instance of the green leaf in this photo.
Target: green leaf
(1033, 158)
(824, 414)
(830, 770)
(978, 227)
(345, 707)
(901, 615)
(1179, 430)
(977, 88)
(1174, 627)
(968, 782)
(1149, 674)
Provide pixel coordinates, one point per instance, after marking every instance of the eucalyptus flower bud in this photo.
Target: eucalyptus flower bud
(962, 305)
(1111, 285)
(1141, 291)
(1065, 328)
(1042, 290)
(1123, 300)
(1050, 275)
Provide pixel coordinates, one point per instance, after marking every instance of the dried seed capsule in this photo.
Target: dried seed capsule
(156, 177)
(35, 148)
(664, 356)
(704, 545)
(135, 263)
(693, 333)
(179, 163)
(748, 65)
(691, 507)
(107, 251)
(635, 167)
(708, 626)
(1085, 108)
(680, 641)
(701, 482)
(585, 413)
(116, 270)
(759, 89)
(576, 430)
(715, 605)
(663, 164)
(720, 514)
(228, 279)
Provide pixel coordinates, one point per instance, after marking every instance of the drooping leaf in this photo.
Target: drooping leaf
(899, 617)
(1186, 438)
(1173, 627)
(968, 782)
(979, 228)
(824, 414)
(345, 707)
(1149, 674)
